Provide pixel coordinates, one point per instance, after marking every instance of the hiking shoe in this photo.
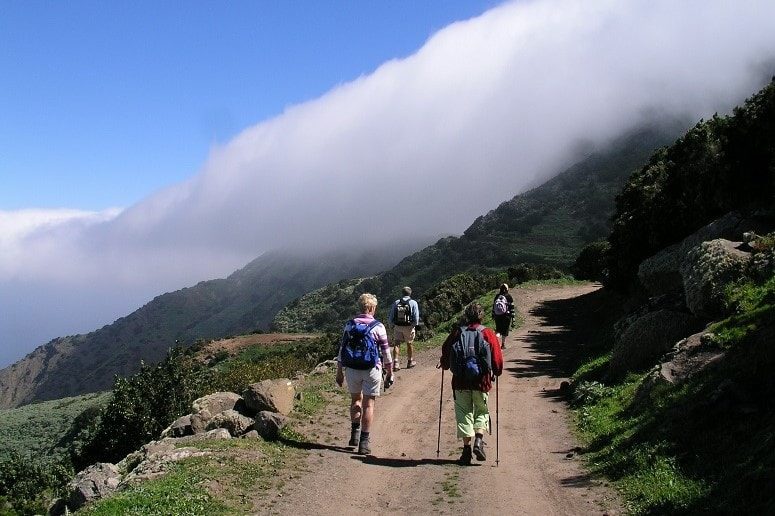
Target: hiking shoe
(479, 449)
(465, 458)
(395, 366)
(363, 446)
(411, 364)
(355, 437)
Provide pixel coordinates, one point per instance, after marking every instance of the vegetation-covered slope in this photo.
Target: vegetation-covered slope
(549, 225)
(694, 435)
(722, 164)
(243, 302)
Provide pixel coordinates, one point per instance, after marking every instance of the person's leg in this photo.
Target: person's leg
(481, 417)
(410, 347)
(396, 350)
(356, 418)
(371, 386)
(464, 417)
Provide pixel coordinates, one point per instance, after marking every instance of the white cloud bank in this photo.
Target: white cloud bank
(430, 142)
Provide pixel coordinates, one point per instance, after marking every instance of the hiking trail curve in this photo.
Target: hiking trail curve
(539, 471)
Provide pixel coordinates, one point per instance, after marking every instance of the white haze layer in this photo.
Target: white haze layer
(485, 108)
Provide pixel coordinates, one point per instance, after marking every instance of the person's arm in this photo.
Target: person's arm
(391, 320)
(339, 370)
(415, 313)
(447, 347)
(380, 335)
(495, 350)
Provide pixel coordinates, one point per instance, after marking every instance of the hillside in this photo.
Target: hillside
(243, 302)
(675, 401)
(549, 224)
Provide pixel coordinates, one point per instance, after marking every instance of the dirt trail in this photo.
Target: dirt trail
(538, 471)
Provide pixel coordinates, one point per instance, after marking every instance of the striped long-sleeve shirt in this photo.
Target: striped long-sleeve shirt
(380, 337)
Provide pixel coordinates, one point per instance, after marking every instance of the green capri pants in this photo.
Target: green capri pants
(471, 412)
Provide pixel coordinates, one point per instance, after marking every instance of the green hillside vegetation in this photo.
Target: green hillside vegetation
(706, 445)
(547, 225)
(722, 164)
(37, 429)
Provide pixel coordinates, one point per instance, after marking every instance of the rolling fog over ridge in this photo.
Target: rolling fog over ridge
(503, 98)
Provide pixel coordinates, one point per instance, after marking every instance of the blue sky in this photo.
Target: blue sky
(105, 102)
(219, 134)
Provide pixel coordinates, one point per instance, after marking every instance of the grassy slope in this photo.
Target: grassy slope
(34, 430)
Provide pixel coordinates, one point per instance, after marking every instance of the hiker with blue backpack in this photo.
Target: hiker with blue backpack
(404, 316)
(503, 313)
(472, 352)
(363, 351)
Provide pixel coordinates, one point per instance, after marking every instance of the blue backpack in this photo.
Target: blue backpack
(359, 349)
(471, 356)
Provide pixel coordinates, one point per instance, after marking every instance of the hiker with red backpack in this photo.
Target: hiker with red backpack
(363, 351)
(472, 352)
(503, 313)
(404, 316)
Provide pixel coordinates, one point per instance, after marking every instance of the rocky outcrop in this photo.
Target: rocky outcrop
(216, 402)
(231, 420)
(96, 481)
(268, 424)
(687, 358)
(661, 273)
(706, 272)
(272, 395)
(647, 338)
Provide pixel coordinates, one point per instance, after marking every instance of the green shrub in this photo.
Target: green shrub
(27, 485)
(142, 406)
(592, 262)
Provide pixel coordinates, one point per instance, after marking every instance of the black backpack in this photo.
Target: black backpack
(471, 356)
(403, 313)
(359, 349)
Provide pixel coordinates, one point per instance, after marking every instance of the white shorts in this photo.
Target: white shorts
(366, 381)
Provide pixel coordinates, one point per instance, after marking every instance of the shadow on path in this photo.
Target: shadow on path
(403, 463)
(305, 445)
(567, 327)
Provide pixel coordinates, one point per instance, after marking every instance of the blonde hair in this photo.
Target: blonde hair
(367, 301)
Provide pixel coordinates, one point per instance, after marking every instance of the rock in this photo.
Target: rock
(271, 395)
(218, 433)
(57, 507)
(93, 483)
(157, 457)
(268, 424)
(216, 403)
(199, 421)
(706, 272)
(253, 434)
(231, 420)
(181, 427)
(661, 273)
(647, 338)
(687, 358)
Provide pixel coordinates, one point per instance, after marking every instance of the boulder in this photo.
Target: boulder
(271, 395)
(217, 433)
(95, 482)
(179, 428)
(649, 337)
(268, 424)
(231, 420)
(661, 273)
(157, 457)
(199, 421)
(216, 402)
(706, 272)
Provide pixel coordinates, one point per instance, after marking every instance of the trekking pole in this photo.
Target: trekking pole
(441, 399)
(496, 422)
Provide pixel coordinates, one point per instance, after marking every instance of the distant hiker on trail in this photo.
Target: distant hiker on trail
(404, 316)
(363, 341)
(473, 354)
(503, 313)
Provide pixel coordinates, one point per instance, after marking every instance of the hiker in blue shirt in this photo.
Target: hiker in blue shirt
(404, 316)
